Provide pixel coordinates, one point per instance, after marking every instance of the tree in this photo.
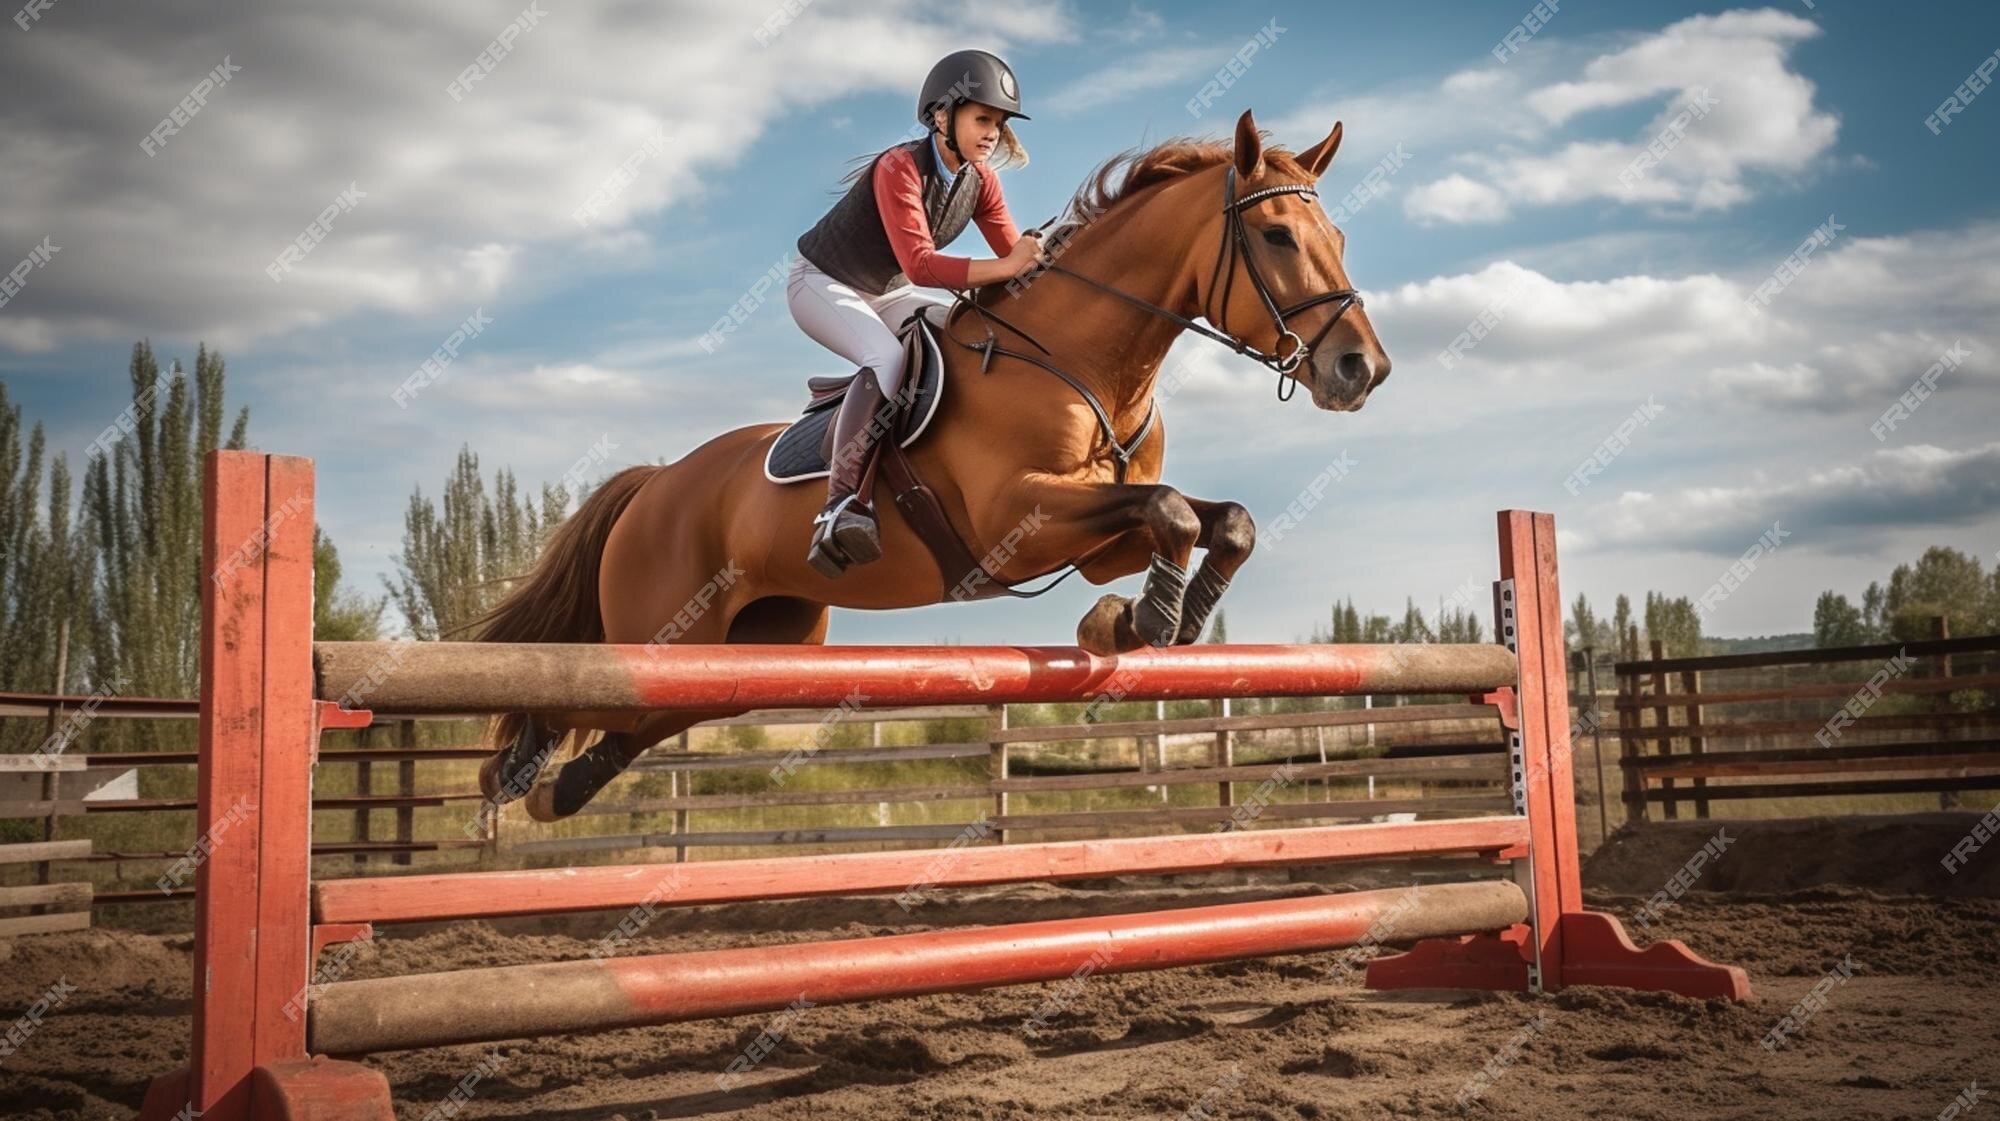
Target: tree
(46, 567)
(1218, 631)
(457, 559)
(340, 616)
(142, 499)
(1621, 621)
(1675, 624)
(1837, 622)
(1945, 582)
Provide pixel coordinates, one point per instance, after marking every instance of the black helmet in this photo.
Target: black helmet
(970, 76)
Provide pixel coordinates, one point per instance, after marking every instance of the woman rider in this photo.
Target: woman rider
(851, 284)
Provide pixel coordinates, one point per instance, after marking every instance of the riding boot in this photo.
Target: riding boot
(846, 533)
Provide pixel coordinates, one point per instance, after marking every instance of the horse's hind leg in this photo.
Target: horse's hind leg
(770, 620)
(1228, 534)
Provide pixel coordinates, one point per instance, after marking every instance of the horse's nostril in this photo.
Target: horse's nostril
(1355, 368)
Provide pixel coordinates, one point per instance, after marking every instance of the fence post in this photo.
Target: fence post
(680, 784)
(406, 783)
(1663, 719)
(364, 785)
(1691, 684)
(1596, 720)
(50, 786)
(1941, 629)
(1225, 755)
(1631, 743)
(996, 764)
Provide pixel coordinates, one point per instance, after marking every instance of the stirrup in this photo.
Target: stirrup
(838, 545)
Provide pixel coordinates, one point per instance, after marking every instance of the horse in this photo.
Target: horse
(708, 550)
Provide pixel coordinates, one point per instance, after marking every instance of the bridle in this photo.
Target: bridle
(1282, 359)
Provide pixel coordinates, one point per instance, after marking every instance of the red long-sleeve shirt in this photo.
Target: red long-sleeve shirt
(899, 195)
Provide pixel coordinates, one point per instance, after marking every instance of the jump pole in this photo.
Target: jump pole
(264, 703)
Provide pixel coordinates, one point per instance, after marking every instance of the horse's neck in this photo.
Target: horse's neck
(1110, 345)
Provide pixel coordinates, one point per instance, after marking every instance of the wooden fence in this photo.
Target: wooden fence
(1821, 724)
(1452, 753)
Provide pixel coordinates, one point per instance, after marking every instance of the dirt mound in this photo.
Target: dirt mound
(1891, 855)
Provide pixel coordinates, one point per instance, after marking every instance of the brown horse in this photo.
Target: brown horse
(708, 550)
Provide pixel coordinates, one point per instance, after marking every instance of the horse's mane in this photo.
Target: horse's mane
(1134, 170)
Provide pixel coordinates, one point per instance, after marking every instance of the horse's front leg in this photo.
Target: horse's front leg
(1228, 534)
(1152, 525)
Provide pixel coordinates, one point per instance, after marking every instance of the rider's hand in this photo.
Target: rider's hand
(1027, 254)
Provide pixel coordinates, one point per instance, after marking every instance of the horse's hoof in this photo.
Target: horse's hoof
(541, 804)
(1154, 626)
(1106, 629)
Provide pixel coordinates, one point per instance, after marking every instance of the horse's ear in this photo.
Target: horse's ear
(1319, 157)
(1249, 147)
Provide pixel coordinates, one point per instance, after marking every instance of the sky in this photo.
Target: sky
(1704, 249)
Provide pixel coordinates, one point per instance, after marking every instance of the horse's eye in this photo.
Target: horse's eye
(1279, 235)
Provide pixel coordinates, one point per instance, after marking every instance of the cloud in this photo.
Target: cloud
(1731, 108)
(1148, 70)
(459, 196)
(1920, 486)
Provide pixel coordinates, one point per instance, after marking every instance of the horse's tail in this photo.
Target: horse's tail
(557, 600)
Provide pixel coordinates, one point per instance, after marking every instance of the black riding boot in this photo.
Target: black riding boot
(845, 533)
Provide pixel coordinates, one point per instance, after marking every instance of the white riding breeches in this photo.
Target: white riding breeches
(856, 326)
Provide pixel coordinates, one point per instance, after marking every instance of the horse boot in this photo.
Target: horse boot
(846, 532)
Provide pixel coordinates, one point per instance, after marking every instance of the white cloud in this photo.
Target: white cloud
(1149, 70)
(462, 196)
(1731, 108)
(1455, 199)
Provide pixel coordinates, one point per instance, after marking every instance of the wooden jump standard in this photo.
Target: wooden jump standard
(261, 1029)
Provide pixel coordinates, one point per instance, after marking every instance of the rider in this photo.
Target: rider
(851, 283)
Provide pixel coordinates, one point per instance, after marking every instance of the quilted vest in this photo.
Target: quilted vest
(849, 244)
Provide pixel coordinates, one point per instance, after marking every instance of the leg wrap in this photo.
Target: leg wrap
(1157, 615)
(1203, 591)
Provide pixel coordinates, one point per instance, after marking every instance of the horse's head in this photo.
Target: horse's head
(1279, 283)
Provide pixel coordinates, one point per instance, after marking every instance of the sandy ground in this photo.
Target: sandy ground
(1912, 1030)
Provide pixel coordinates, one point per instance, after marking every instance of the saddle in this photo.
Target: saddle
(804, 450)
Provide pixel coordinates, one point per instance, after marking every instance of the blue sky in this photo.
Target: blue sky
(1618, 294)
